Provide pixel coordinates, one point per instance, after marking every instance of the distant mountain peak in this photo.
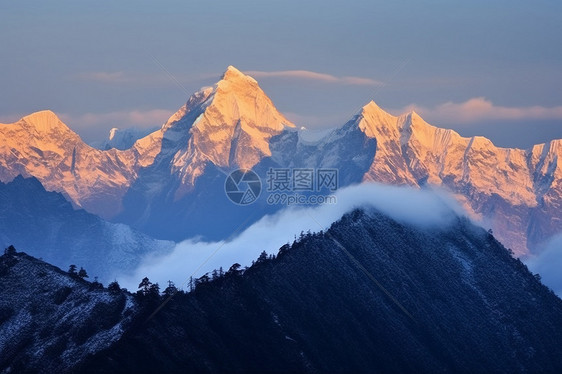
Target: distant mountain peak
(233, 74)
(44, 121)
(234, 124)
(234, 81)
(41, 115)
(230, 124)
(112, 133)
(414, 115)
(373, 111)
(372, 120)
(371, 106)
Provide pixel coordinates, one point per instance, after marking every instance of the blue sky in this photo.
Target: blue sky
(482, 67)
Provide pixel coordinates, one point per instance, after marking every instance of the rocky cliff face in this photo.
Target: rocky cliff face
(228, 125)
(512, 189)
(235, 125)
(40, 145)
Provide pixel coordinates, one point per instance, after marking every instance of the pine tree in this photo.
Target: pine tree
(263, 257)
(114, 287)
(82, 273)
(144, 286)
(171, 289)
(284, 248)
(204, 278)
(10, 251)
(154, 291)
(72, 269)
(96, 284)
(191, 284)
(234, 269)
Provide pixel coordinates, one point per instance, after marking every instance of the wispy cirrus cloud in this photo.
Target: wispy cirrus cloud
(157, 78)
(548, 264)
(480, 109)
(312, 75)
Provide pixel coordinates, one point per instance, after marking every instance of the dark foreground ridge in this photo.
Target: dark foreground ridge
(50, 320)
(473, 308)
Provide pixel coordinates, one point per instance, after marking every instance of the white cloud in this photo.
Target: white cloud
(480, 109)
(422, 208)
(137, 118)
(159, 78)
(549, 264)
(312, 75)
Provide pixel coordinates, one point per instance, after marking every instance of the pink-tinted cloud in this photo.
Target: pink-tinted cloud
(480, 109)
(143, 78)
(136, 118)
(312, 75)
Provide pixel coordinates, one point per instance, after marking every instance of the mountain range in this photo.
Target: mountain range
(122, 138)
(170, 183)
(48, 227)
(369, 294)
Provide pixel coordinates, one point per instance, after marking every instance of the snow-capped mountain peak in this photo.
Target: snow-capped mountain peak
(372, 107)
(44, 122)
(233, 124)
(112, 133)
(233, 74)
(373, 120)
(229, 124)
(122, 139)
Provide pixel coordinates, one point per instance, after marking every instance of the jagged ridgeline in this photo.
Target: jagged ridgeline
(47, 226)
(170, 183)
(421, 300)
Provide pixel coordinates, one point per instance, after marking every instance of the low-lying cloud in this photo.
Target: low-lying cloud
(549, 265)
(423, 208)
